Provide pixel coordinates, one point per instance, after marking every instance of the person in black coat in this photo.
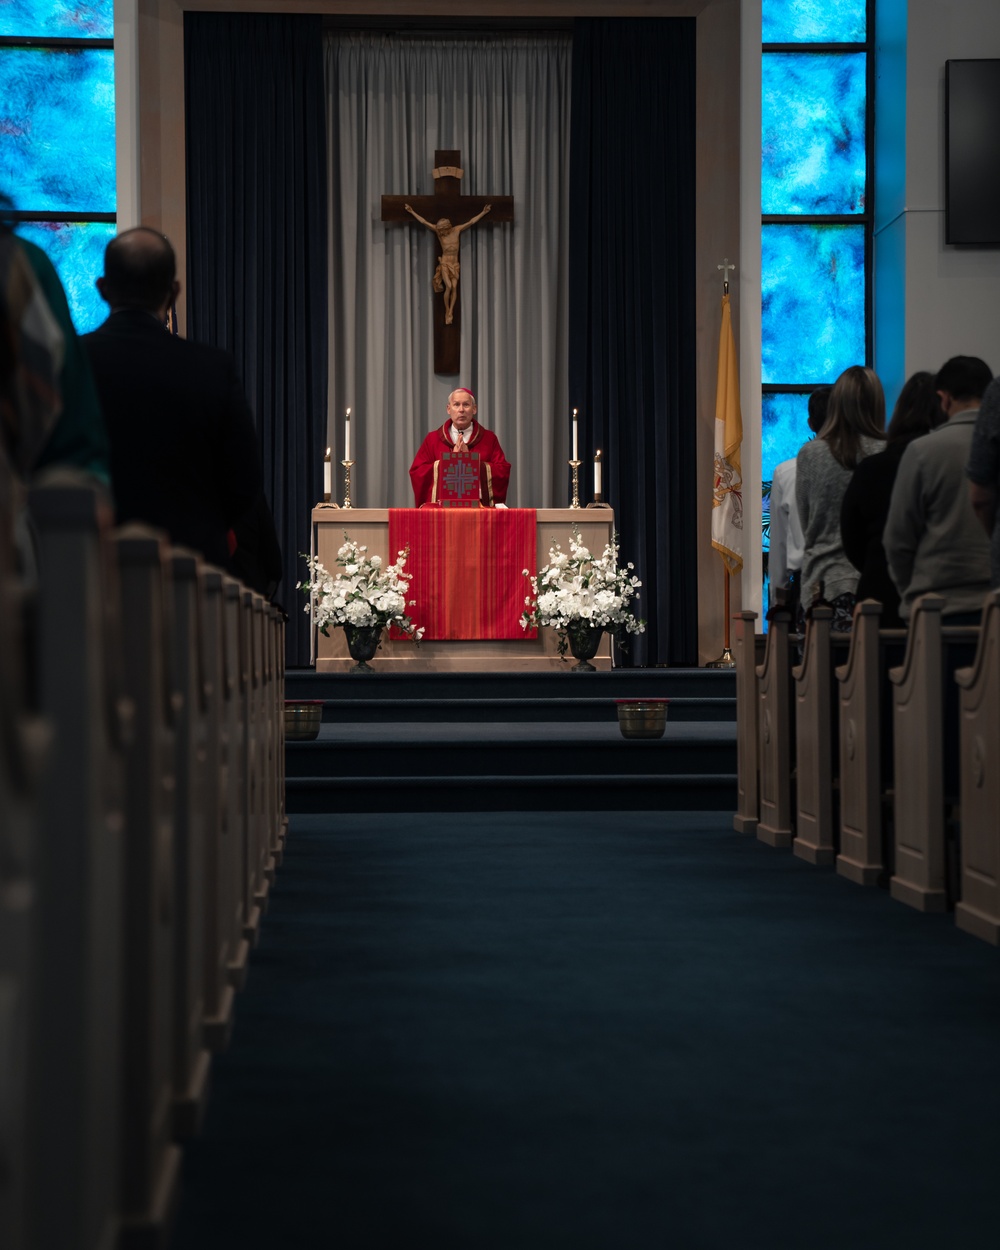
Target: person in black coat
(865, 505)
(184, 452)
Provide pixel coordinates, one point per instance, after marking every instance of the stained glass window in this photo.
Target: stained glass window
(57, 19)
(77, 251)
(814, 21)
(57, 129)
(813, 133)
(813, 302)
(784, 428)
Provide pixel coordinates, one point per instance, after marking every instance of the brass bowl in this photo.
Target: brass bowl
(302, 720)
(642, 718)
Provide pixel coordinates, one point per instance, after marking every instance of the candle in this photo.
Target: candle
(347, 436)
(327, 475)
(575, 455)
(597, 476)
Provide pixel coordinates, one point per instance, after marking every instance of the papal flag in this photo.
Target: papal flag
(727, 494)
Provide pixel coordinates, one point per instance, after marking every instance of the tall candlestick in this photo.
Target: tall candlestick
(327, 476)
(347, 436)
(597, 475)
(575, 456)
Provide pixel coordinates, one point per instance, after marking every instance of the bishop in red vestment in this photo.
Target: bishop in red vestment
(461, 431)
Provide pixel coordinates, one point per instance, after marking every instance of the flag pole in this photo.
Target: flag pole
(725, 660)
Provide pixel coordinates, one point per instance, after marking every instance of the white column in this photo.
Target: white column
(127, 111)
(748, 277)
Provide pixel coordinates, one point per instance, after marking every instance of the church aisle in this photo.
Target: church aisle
(489, 1032)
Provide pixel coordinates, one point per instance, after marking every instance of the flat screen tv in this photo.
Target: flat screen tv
(972, 152)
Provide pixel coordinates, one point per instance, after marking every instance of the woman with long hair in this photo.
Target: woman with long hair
(866, 500)
(854, 429)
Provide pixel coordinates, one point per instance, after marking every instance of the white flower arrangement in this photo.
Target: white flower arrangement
(577, 588)
(363, 595)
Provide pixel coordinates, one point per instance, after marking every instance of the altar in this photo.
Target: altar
(516, 652)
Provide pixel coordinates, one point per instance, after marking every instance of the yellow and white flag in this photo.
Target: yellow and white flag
(727, 495)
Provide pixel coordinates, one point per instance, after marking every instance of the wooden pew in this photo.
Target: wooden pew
(275, 640)
(865, 731)
(22, 753)
(815, 739)
(74, 1046)
(978, 911)
(279, 723)
(193, 809)
(749, 653)
(150, 1160)
(777, 732)
(237, 808)
(257, 758)
(925, 736)
(223, 931)
(132, 827)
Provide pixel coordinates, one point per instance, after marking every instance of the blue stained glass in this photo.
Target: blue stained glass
(77, 251)
(813, 108)
(813, 21)
(57, 129)
(57, 19)
(812, 302)
(783, 429)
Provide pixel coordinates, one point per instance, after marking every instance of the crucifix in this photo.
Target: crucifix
(447, 212)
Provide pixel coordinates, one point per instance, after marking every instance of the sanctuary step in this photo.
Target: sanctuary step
(695, 694)
(461, 741)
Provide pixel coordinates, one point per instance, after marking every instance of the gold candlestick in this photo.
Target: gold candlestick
(348, 465)
(575, 466)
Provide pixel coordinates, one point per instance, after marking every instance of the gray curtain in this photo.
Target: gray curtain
(505, 103)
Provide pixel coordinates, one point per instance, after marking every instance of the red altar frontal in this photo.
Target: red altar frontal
(468, 582)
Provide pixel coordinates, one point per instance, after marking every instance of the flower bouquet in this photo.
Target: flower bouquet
(582, 596)
(363, 598)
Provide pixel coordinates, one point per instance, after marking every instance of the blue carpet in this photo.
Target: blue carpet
(588, 1031)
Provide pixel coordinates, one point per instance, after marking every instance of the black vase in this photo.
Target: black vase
(362, 643)
(583, 639)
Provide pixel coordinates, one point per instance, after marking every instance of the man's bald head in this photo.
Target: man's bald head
(140, 271)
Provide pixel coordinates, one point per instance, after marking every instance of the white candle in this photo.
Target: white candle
(597, 476)
(327, 475)
(347, 436)
(575, 448)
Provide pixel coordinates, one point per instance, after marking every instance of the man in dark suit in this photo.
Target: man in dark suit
(184, 453)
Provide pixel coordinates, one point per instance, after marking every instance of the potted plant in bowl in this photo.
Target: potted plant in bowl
(582, 596)
(362, 598)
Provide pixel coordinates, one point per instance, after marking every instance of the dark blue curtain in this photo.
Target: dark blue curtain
(632, 302)
(257, 274)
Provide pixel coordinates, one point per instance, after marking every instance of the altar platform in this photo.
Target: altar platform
(518, 651)
(546, 741)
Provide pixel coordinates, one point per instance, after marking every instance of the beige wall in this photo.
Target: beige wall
(162, 175)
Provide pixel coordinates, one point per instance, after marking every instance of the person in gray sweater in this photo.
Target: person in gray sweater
(854, 428)
(933, 541)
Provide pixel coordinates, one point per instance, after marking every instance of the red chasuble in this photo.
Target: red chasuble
(425, 472)
(467, 567)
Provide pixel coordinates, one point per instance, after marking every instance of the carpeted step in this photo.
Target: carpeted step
(368, 711)
(516, 750)
(560, 685)
(595, 792)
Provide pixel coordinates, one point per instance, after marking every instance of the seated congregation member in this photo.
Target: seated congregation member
(854, 429)
(461, 432)
(784, 565)
(933, 541)
(75, 436)
(984, 474)
(184, 454)
(866, 500)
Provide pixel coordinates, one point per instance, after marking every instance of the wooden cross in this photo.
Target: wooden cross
(447, 212)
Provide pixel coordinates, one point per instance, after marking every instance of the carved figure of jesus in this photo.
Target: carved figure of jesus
(446, 274)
